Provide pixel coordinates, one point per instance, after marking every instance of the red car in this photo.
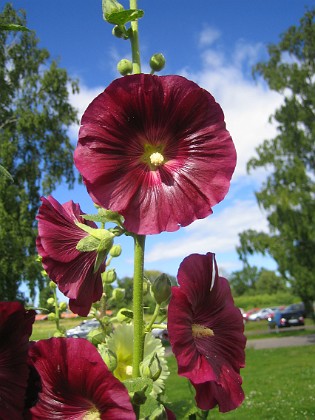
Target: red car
(251, 311)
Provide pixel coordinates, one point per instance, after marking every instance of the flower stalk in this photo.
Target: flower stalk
(134, 39)
(138, 340)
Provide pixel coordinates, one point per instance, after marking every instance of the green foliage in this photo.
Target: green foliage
(265, 300)
(252, 281)
(34, 146)
(278, 384)
(288, 194)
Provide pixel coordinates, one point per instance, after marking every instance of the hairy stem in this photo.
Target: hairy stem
(138, 339)
(134, 39)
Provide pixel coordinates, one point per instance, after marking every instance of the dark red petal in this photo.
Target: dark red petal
(72, 270)
(226, 392)
(15, 330)
(185, 121)
(74, 380)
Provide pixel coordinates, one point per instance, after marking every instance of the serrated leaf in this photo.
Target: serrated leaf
(152, 410)
(12, 27)
(124, 16)
(5, 173)
(138, 384)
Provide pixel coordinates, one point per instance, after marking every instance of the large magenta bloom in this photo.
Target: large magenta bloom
(206, 333)
(75, 382)
(15, 330)
(156, 150)
(72, 270)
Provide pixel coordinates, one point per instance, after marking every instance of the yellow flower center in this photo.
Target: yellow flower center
(200, 331)
(92, 414)
(156, 159)
(153, 156)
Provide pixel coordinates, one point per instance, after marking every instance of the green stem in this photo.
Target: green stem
(138, 337)
(154, 316)
(134, 39)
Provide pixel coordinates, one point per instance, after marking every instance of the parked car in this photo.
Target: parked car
(286, 318)
(83, 329)
(248, 313)
(262, 314)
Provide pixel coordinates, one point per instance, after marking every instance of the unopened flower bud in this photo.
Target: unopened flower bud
(157, 62)
(115, 251)
(111, 6)
(108, 356)
(51, 317)
(52, 285)
(63, 306)
(120, 32)
(121, 315)
(118, 294)
(151, 367)
(161, 289)
(109, 276)
(124, 67)
(51, 301)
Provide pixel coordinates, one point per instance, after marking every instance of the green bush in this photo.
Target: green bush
(265, 301)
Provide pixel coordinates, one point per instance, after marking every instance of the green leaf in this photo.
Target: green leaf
(12, 27)
(5, 173)
(121, 18)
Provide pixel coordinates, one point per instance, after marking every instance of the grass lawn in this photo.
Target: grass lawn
(278, 383)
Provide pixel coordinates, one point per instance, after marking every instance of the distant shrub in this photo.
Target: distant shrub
(265, 301)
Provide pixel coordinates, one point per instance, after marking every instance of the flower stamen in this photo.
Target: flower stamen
(92, 414)
(200, 331)
(156, 159)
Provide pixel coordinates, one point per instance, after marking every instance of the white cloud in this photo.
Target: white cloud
(247, 104)
(217, 233)
(208, 36)
(80, 101)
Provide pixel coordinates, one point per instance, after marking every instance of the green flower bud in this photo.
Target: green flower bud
(111, 6)
(63, 306)
(108, 356)
(96, 336)
(115, 251)
(124, 67)
(120, 31)
(51, 301)
(157, 62)
(52, 285)
(51, 317)
(138, 397)
(109, 276)
(151, 367)
(161, 289)
(118, 294)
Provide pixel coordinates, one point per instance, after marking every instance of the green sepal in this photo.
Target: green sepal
(124, 16)
(88, 244)
(12, 27)
(138, 389)
(100, 258)
(127, 313)
(96, 336)
(111, 6)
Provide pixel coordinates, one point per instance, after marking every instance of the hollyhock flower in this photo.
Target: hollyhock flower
(76, 383)
(72, 270)
(15, 330)
(156, 150)
(206, 333)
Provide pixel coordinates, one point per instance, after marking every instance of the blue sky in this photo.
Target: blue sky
(212, 42)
